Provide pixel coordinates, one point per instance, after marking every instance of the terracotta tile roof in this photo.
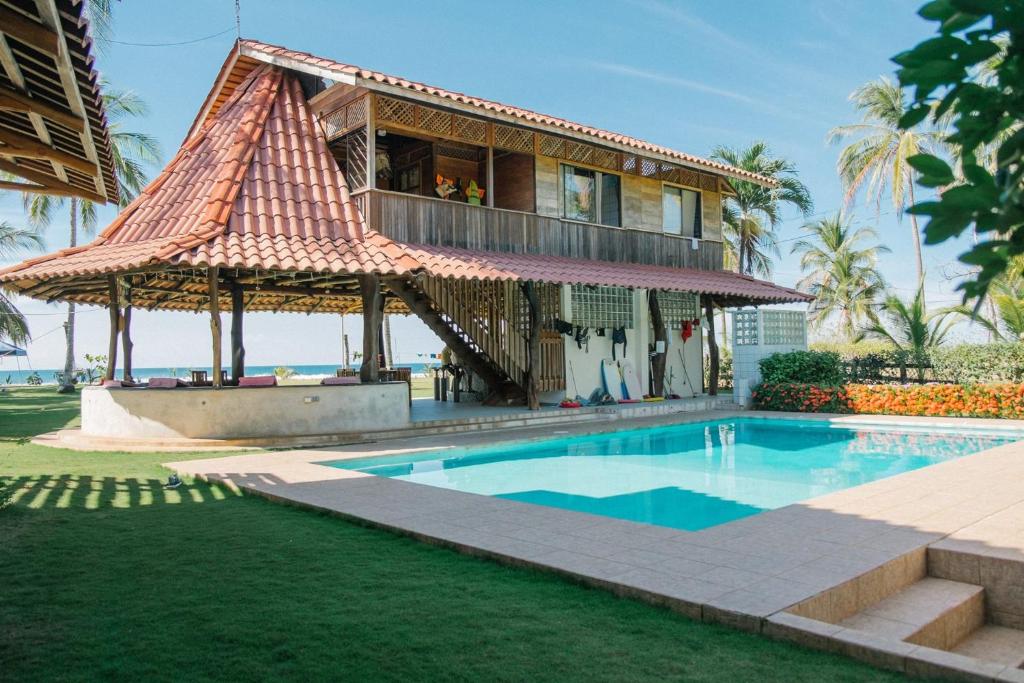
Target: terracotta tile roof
(253, 47)
(467, 264)
(256, 186)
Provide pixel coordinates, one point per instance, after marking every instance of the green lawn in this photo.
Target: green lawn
(104, 574)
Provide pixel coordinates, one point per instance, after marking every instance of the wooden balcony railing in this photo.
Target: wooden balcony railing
(424, 220)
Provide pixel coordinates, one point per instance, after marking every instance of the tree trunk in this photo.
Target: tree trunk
(388, 353)
(369, 287)
(344, 345)
(68, 384)
(126, 335)
(237, 335)
(213, 283)
(725, 330)
(533, 348)
(660, 336)
(917, 240)
(115, 320)
(709, 313)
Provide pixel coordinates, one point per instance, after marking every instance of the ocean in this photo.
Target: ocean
(11, 374)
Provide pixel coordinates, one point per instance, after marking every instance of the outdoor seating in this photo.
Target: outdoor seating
(258, 381)
(166, 383)
(336, 381)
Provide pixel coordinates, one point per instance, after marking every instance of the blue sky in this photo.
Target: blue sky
(687, 74)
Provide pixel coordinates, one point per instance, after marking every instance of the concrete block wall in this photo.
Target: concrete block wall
(751, 329)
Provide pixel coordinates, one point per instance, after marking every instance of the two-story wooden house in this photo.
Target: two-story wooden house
(306, 184)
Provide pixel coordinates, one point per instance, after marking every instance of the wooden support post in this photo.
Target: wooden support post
(709, 313)
(660, 335)
(344, 344)
(126, 335)
(369, 287)
(533, 360)
(237, 344)
(115, 323)
(489, 197)
(214, 291)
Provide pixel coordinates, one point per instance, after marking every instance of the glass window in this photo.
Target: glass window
(610, 210)
(580, 189)
(591, 196)
(672, 210)
(681, 212)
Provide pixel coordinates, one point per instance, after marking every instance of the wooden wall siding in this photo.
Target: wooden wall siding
(548, 200)
(493, 317)
(422, 220)
(651, 205)
(711, 208)
(513, 182)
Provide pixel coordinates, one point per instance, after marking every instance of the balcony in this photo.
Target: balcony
(425, 220)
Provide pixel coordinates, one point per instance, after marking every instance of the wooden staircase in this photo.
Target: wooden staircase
(486, 324)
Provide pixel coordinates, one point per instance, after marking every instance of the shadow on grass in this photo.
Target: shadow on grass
(85, 492)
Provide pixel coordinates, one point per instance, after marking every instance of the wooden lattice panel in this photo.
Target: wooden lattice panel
(457, 151)
(605, 159)
(434, 121)
(335, 123)
(356, 112)
(470, 130)
(577, 151)
(689, 177)
(515, 139)
(551, 146)
(708, 182)
(396, 111)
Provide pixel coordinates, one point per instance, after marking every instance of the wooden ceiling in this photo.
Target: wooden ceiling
(53, 130)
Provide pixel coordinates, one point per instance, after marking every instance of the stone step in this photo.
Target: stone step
(995, 644)
(932, 612)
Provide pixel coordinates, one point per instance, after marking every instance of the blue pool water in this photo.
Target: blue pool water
(690, 476)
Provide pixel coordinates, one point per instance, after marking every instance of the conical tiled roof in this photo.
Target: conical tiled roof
(256, 186)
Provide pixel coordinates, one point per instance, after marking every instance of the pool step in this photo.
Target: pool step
(935, 613)
(995, 644)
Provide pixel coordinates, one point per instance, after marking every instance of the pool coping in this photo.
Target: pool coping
(744, 573)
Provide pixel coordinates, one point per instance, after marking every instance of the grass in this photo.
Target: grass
(104, 574)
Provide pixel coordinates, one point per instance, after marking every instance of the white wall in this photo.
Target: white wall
(692, 351)
(746, 370)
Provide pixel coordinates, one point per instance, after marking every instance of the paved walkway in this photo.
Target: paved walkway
(739, 573)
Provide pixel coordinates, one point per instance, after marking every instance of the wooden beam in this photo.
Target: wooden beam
(214, 291)
(369, 286)
(25, 146)
(25, 30)
(115, 320)
(237, 347)
(709, 313)
(126, 335)
(18, 100)
(533, 347)
(660, 335)
(37, 189)
(53, 185)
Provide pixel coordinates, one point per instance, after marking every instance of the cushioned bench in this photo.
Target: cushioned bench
(331, 381)
(166, 383)
(258, 381)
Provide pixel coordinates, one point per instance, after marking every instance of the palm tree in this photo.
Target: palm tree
(910, 326)
(841, 272)
(751, 217)
(130, 151)
(13, 326)
(876, 159)
(1005, 300)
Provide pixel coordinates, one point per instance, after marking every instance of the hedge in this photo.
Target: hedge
(812, 367)
(963, 363)
(931, 400)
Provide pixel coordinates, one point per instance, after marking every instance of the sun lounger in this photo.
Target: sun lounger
(333, 381)
(166, 383)
(258, 381)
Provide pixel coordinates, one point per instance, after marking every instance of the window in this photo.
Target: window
(681, 211)
(591, 196)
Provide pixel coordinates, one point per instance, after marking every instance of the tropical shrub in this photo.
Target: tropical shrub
(814, 367)
(931, 400)
(724, 369)
(800, 398)
(980, 363)
(938, 400)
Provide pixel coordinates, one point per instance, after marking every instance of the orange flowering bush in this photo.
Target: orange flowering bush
(933, 400)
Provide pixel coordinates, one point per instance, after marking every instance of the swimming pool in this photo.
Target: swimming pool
(689, 476)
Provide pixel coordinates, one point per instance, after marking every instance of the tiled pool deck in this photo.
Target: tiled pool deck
(744, 573)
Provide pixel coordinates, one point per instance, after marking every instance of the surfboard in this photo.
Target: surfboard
(634, 391)
(612, 378)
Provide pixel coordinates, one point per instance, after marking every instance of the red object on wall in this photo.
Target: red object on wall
(687, 329)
